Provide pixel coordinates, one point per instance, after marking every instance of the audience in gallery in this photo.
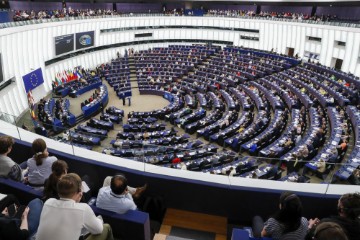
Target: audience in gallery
(329, 230)
(59, 168)
(286, 223)
(8, 168)
(23, 15)
(39, 166)
(348, 218)
(286, 15)
(22, 222)
(78, 215)
(306, 151)
(117, 196)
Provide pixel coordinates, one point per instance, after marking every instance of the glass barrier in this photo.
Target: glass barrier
(191, 157)
(67, 18)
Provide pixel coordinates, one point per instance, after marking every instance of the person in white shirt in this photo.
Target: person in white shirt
(65, 218)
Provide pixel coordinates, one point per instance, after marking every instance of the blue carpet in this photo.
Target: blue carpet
(191, 234)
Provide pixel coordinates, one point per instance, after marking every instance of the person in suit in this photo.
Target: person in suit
(123, 99)
(333, 156)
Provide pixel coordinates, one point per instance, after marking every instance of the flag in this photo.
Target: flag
(78, 73)
(57, 79)
(71, 75)
(75, 75)
(63, 77)
(32, 113)
(66, 77)
(30, 99)
(33, 79)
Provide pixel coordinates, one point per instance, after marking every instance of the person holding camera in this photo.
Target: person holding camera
(16, 221)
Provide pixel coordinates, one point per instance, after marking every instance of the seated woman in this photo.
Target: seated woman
(59, 168)
(39, 166)
(288, 222)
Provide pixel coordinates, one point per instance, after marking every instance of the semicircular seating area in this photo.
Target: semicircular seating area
(241, 102)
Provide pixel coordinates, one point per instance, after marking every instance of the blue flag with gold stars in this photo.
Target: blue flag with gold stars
(33, 79)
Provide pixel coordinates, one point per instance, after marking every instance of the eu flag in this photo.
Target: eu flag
(33, 79)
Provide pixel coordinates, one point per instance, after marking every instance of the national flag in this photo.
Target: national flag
(32, 113)
(33, 79)
(30, 99)
(57, 79)
(71, 75)
(66, 77)
(78, 73)
(75, 75)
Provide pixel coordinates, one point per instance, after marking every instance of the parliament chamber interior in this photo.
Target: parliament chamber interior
(214, 108)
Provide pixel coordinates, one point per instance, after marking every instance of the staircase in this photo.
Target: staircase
(204, 62)
(133, 78)
(184, 225)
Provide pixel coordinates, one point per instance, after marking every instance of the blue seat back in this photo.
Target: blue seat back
(23, 192)
(133, 224)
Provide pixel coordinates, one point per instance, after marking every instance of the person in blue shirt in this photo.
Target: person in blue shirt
(118, 197)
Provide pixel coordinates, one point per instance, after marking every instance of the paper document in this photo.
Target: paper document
(85, 187)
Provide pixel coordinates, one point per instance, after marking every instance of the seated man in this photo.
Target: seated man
(8, 168)
(64, 218)
(118, 197)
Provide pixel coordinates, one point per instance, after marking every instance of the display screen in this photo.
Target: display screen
(84, 40)
(143, 35)
(64, 44)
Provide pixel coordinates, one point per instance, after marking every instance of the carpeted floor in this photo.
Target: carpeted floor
(138, 103)
(179, 232)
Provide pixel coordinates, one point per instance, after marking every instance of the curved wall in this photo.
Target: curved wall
(25, 48)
